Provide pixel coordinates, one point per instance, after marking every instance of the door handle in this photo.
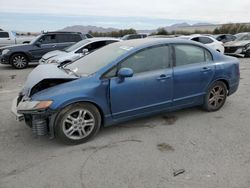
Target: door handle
(163, 77)
(205, 69)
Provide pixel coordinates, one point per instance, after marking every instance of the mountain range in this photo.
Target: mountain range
(86, 29)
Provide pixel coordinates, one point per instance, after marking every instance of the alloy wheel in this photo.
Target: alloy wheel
(217, 96)
(19, 61)
(78, 124)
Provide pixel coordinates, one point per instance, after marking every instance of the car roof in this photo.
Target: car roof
(141, 43)
(96, 39)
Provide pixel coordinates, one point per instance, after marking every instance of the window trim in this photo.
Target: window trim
(174, 54)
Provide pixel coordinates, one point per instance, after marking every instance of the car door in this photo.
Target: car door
(44, 44)
(149, 89)
(193, 71)
(5, 39)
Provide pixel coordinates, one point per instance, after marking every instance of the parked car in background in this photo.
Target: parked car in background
(239, 47)
(76, 51)
(8, 38)
(224, 37)
(19, 56)
(163, 36)
(124, 81)
(207, 40)
(134, 36)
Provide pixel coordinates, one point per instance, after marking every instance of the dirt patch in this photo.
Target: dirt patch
(113, 144)
(218, 117)
(12, 77)
(164, 147)
(170, 119)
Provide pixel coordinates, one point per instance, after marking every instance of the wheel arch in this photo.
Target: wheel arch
(65, 105)
(54, 116)
(224, 80)
(23, 53)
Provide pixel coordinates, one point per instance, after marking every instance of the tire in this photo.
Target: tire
(247, 53)
(19, 61)
(215, 97)
(77, 123)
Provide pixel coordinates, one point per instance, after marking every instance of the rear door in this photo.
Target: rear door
(66, 39)
(150, 88)
(193, 71)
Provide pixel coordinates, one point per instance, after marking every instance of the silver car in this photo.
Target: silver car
(76, 51)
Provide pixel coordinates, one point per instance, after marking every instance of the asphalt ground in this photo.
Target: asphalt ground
(187, 148)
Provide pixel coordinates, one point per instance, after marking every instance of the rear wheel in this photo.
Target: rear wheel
(77, 123)
(215, 97)
(19, 61)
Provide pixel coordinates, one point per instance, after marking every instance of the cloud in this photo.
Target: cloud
(209, 10)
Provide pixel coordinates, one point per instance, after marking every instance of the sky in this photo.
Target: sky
(37, 15)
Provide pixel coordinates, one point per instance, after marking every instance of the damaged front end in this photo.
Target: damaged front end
(37, 114)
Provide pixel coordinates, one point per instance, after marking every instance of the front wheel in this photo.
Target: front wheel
(247, 53)
(215, 97)
(77, 123)
(19, 61)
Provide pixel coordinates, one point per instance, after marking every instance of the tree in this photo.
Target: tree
(117, 34)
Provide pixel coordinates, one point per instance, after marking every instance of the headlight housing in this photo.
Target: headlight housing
(34, 105)
(247, 46)
(51, 61)
(5, 51)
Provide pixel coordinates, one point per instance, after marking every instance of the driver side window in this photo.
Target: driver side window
(47, 39)
(148, 60)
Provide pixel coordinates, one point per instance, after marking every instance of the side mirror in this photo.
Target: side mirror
(125, 72)
(85, 51)
(38, 44)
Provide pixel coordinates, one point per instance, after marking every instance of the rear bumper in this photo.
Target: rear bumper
(233, 88)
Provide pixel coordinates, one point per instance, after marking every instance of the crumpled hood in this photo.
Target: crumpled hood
(42, 72)
(53, 54)
(237, 43)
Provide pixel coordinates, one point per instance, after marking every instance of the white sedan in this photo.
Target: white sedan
(76, 51)
(207, 40)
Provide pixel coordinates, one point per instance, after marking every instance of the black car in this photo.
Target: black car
(225, 37)
(19, 56)
(134, 36)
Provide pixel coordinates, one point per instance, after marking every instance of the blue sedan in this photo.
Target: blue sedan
(124, 81)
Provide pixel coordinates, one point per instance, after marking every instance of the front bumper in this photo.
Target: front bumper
(4, 59)
(41, 121)
(18, 116)
(235, 51)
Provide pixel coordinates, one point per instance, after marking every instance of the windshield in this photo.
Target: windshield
(98, 59)
(76, 45)
(35, 39)
(243, 37)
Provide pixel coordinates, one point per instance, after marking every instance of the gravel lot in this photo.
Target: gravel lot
(212, 148)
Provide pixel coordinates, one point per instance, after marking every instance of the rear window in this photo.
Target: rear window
(190, 54)
(4, 35)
